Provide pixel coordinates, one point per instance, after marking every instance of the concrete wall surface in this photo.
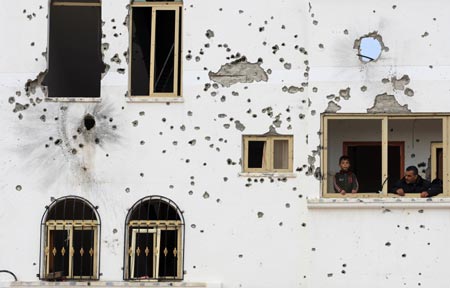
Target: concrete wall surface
(240, 231)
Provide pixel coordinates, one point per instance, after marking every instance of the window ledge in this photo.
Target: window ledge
(145, 99)
(268, 174)
(73, 99)
(110, 284)
(347, 203)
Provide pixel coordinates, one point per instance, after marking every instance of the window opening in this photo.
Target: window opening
(271, 152)
(369, 49)
(155, 48)
(380, 147)
(75, 62)
(154, 240)
(69, 240)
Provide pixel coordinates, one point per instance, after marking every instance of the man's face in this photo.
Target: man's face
(410, 177)
(345, 164)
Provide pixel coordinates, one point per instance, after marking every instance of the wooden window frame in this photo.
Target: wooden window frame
(268, 156)
(70, 226)
(178, 63)
(384, 119)
(142, 226)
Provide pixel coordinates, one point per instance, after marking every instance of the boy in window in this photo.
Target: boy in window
(345, 181)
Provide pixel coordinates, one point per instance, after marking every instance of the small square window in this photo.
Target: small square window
(268, 154)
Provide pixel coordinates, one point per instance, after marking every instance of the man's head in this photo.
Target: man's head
(344, 163)
(411, 174)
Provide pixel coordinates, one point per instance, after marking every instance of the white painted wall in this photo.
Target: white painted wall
(276, 249)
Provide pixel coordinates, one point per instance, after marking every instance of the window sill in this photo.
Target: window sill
(73, 99)
(94, 283)
(146, 99)
(268, 174)
(349, 203)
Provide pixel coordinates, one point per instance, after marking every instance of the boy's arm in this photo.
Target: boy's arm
(355, 183)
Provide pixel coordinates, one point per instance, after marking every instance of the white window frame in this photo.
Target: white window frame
(384, 118)
(178, 63)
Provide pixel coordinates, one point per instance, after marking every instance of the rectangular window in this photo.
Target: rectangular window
(74, 55)
(72, 251)
(380, 147)
(155, 37)
(155, 251)
(268, 154)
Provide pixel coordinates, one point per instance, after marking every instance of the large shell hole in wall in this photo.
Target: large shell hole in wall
(369, 49)
(89, 122)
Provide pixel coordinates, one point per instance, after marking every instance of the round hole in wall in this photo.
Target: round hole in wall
(369, 49)
(89, 121)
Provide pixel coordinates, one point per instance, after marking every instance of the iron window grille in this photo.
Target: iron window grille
(154, 240)
(70, 234)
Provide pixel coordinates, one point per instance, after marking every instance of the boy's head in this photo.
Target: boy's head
(344, 163)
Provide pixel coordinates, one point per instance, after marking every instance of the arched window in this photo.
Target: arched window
(70, 232)
(154, 240)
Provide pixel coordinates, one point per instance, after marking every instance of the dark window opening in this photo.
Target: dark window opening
(164, 51)
(366, 164)
(140, 51)
(256, 150)
(75, 63)
(168, 257)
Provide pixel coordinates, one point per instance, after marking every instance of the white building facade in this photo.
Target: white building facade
(204, 136)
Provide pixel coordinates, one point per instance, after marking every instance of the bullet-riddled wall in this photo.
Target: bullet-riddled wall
(241, 231)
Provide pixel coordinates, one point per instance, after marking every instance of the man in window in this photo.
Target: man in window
(412, 182)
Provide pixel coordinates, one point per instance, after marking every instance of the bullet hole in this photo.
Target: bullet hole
(240, 255)
(206, 195)
(225, 179)
(420, 211)
(287, 66)
(303, 224)
(209, 34)
(321, 46)
(127, 190)
(43, 118)
(135, 123)
(19, 188)
(425, 34)
(142, 142)
(192, 142)
(190, 192)
(89, 121)
(287, 205)
(330, 275)
(404, 255)
(260, 214)
(58, 142)
(409, 92)
(97, 141)
(193, 226)
(388, 244)
(74, 151)
(114, 231)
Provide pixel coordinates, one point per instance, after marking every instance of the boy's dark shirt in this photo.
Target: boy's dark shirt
(345, 180)
(419, 186)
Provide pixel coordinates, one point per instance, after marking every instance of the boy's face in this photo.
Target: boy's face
(345, 165)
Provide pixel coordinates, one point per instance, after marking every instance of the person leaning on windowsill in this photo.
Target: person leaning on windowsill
(412, 183)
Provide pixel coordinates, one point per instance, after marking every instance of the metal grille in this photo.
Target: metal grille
(70, 232)
(154, 240)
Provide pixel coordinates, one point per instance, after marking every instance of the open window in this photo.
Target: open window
(155, 40)
(381, 146)
(154, 240)
(69, 240)
(268, 153)
(74, 54)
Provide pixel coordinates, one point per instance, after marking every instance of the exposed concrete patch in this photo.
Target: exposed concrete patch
(345, 93)
(239, 71)
(31, 85)
(399, 84)
(374, 35)
(385, 103)
(293, 89)
(332, 107)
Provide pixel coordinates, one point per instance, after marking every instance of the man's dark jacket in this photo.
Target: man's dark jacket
(419, 186)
